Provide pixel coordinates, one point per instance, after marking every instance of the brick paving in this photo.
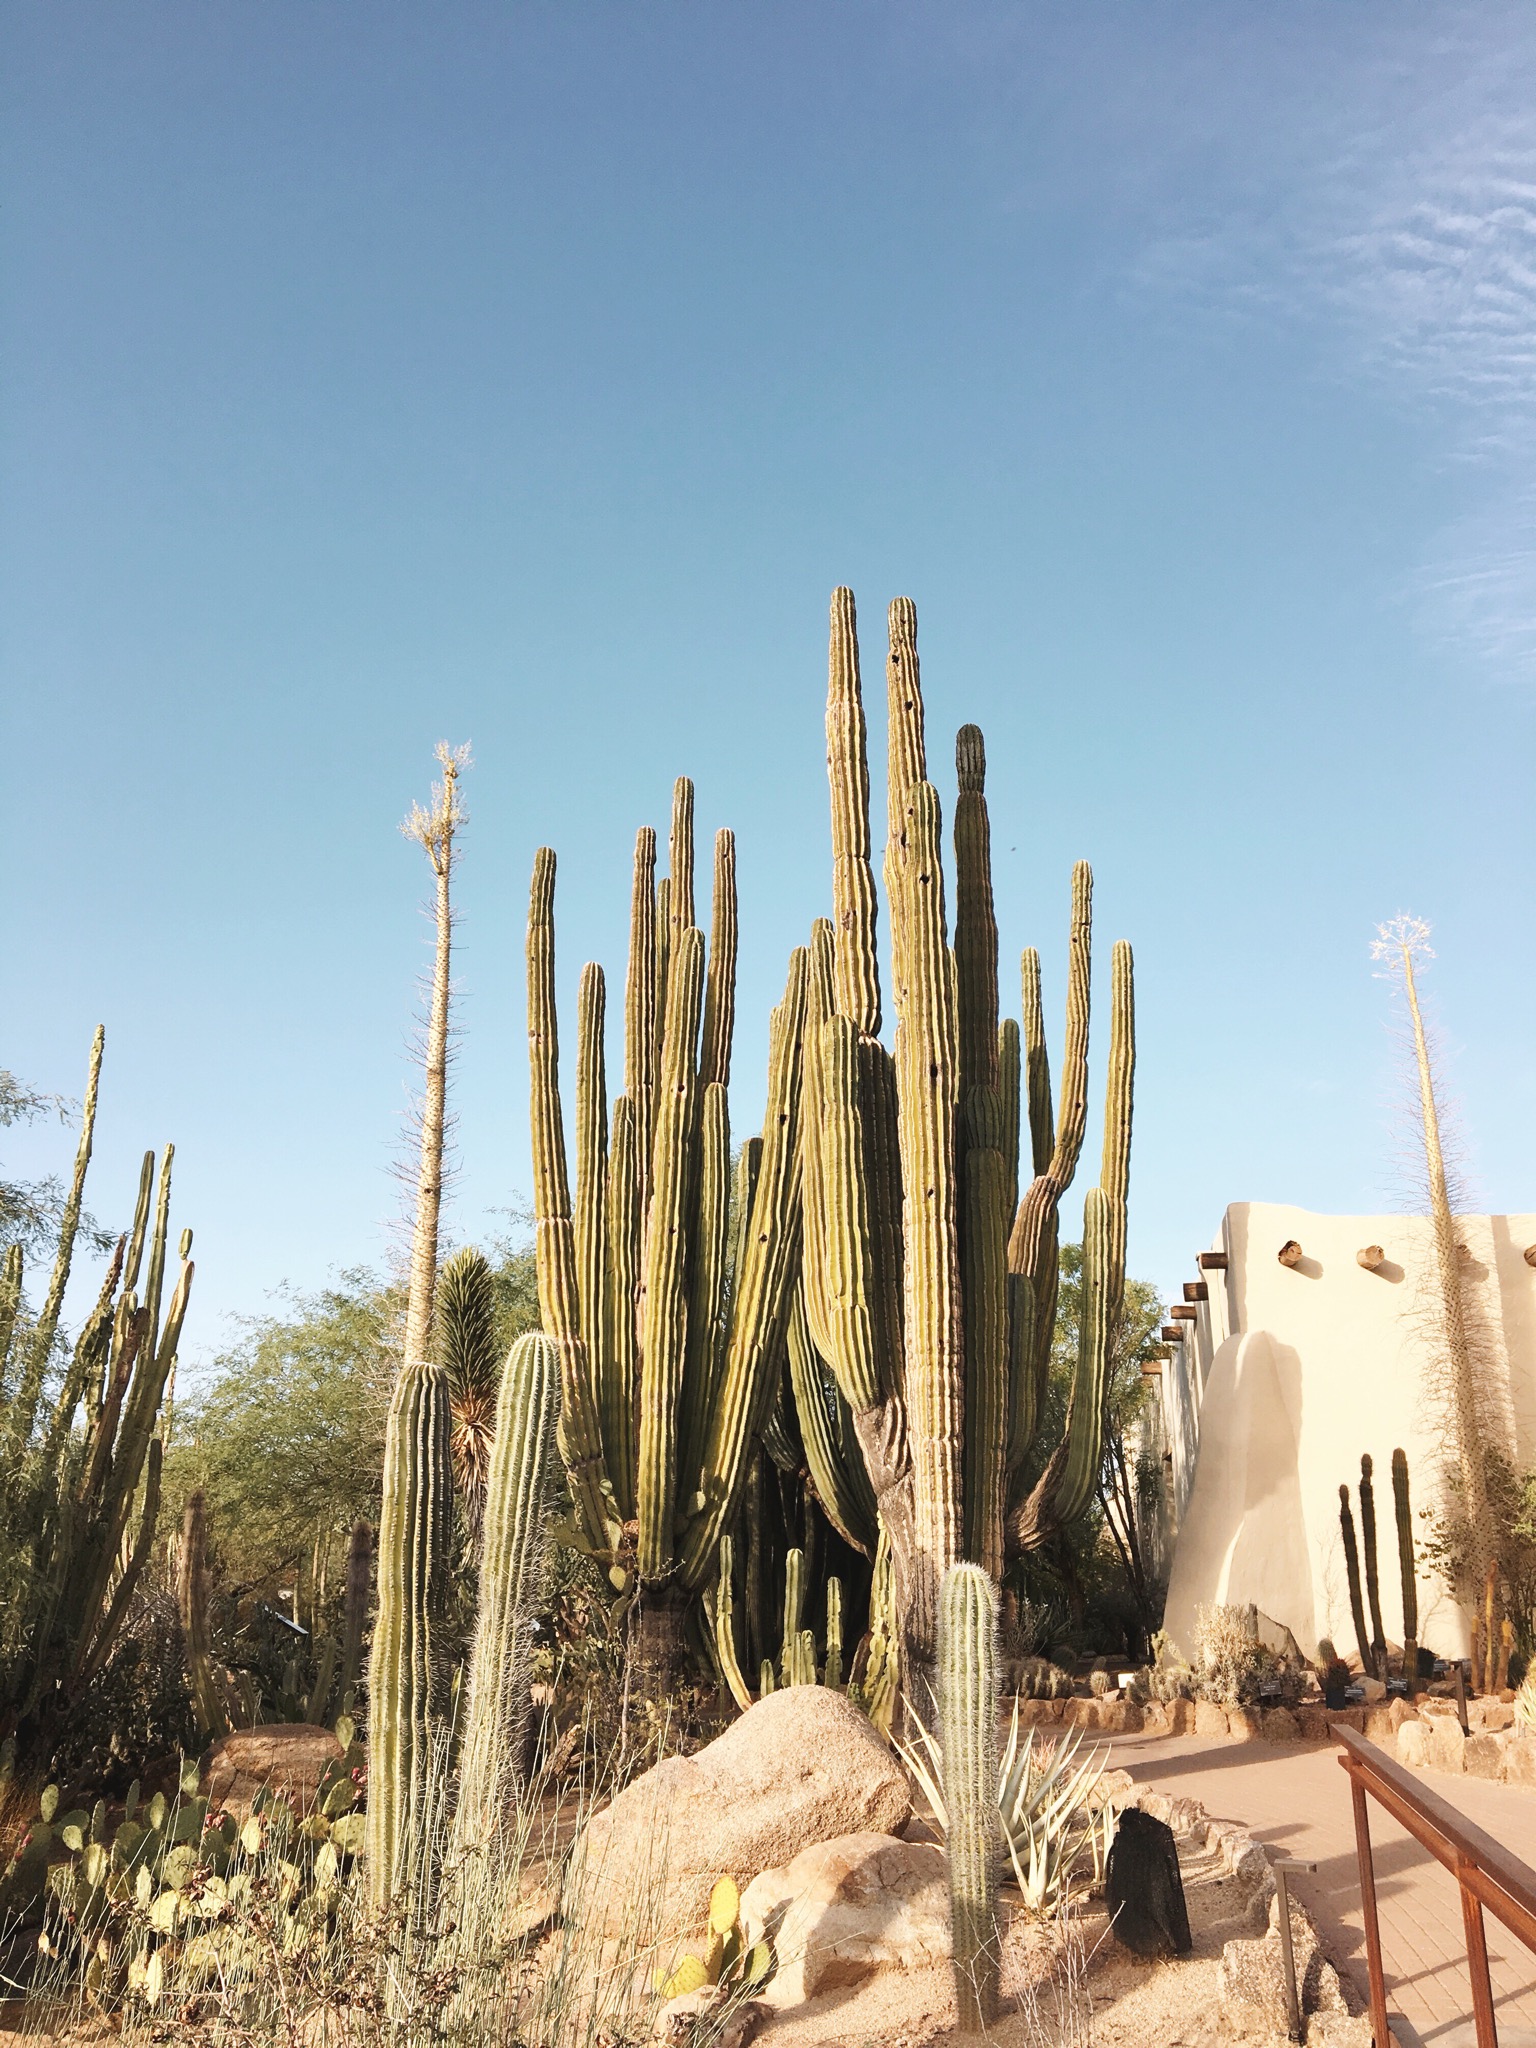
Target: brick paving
(1295, 1799)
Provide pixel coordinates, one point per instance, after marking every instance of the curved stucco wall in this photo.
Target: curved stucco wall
(1291, 1372)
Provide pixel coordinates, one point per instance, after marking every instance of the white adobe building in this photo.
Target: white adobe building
(1281, 1373)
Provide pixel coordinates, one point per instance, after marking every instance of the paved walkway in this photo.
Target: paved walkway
(1295, 1799)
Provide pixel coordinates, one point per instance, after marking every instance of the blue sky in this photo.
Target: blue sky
(528, 375)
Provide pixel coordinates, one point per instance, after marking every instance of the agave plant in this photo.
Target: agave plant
(1045, 1796)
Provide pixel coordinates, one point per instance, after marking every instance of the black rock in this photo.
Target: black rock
(1144, 1889)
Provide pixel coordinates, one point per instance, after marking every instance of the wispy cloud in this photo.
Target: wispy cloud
(1401, 225)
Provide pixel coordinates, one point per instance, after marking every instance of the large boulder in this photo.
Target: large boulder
(1143, 1888)
(802, 1766)
(286, 1758)
(847, 1908)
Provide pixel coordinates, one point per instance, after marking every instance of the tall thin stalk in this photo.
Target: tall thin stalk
(1400, 944)
(435, 829)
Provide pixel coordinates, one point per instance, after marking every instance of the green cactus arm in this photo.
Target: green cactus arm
(1403, 1512)
(94, 1645)
(88, 1362)
(975, 920)
(619, 1378)
(833, 1672)
(512, 1569)
(663, 964)
(1036, 1065)
(779, 1432)
(854, 902)
(794, 1602)
(1066, 1485)
(1372, 1581)
(984, 1273)
(906, 766)
(1115, 1170)
(840, 1482)
(22, 1415)
(192, 1598)
(760, 1296)
(592, 1168)
(848, 1258)
(680, 862)
(1008, 1078)
(926, 1080)
(819, 1005)
(154, 1279)
(708, 1299)
(1352, 1574)
(354, 1611)
(725, 1629)
(720, 991)
(581, 1443)
(407, 1670)
(666, 1245)
(967, 1672)
(640, 1004)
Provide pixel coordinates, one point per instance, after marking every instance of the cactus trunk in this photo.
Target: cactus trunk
(408, 1670)
(1372, 1580)
(1352, 1571)
(968, 1738)
(192, 1591)
(1403, 1511)
(354, 1613)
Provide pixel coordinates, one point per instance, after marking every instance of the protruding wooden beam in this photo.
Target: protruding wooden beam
(1290, 1253)
(1212, 1262)
(1196, 1290)
(1173, 1333)
(1370, 1256)
(1181, 1312)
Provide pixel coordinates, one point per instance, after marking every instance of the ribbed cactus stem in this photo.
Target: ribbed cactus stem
(354, 1611)
(833, 1672)
(967, 1688)
(1372, 1582)
(511, 1572)
(1403, 1511)
(1352, 1572)
(794, 1601)
(853, 877)
(192, 1590)
(407, 1672)
(720, 991)
(725, 1627)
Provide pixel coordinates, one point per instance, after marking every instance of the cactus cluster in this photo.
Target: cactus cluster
(80, 1475)
(929, 1284)
(1372, 1640)
(668, 1316)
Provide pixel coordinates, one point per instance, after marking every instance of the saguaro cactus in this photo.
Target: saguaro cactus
(929, 1287)
(1403, 1510)
(968, 1738)
(667, 1330)
(408, 1670)
(511, 1566)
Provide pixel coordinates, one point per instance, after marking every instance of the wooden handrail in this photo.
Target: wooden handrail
(1486, 1873)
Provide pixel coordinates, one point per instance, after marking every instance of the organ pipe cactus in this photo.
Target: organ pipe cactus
(409, 1666)
(354, 1612)
(669, 1329)
(1372, 1579)
(512, 1564)
(80, 1476)
(968, 1739)
(930, 1287)
(1403, 1511)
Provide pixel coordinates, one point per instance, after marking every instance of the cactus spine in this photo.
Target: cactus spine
(930, 1288)
(406, 1676)
(968, 1735)
(1352, 1571)
(1372, 1582)
(1403, 1511)
(192, 1590)
(511, 1568)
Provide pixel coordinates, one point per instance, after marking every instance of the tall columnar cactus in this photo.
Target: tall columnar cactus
(80, 1480)
(669, 1330)
(968, 1739)
(512, 1562)
(192, 1591)
(409, 1667)
(1372, 1580)
(1403, 1510)
(1352, 1571)
(930, 1288)
(354, 1608)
